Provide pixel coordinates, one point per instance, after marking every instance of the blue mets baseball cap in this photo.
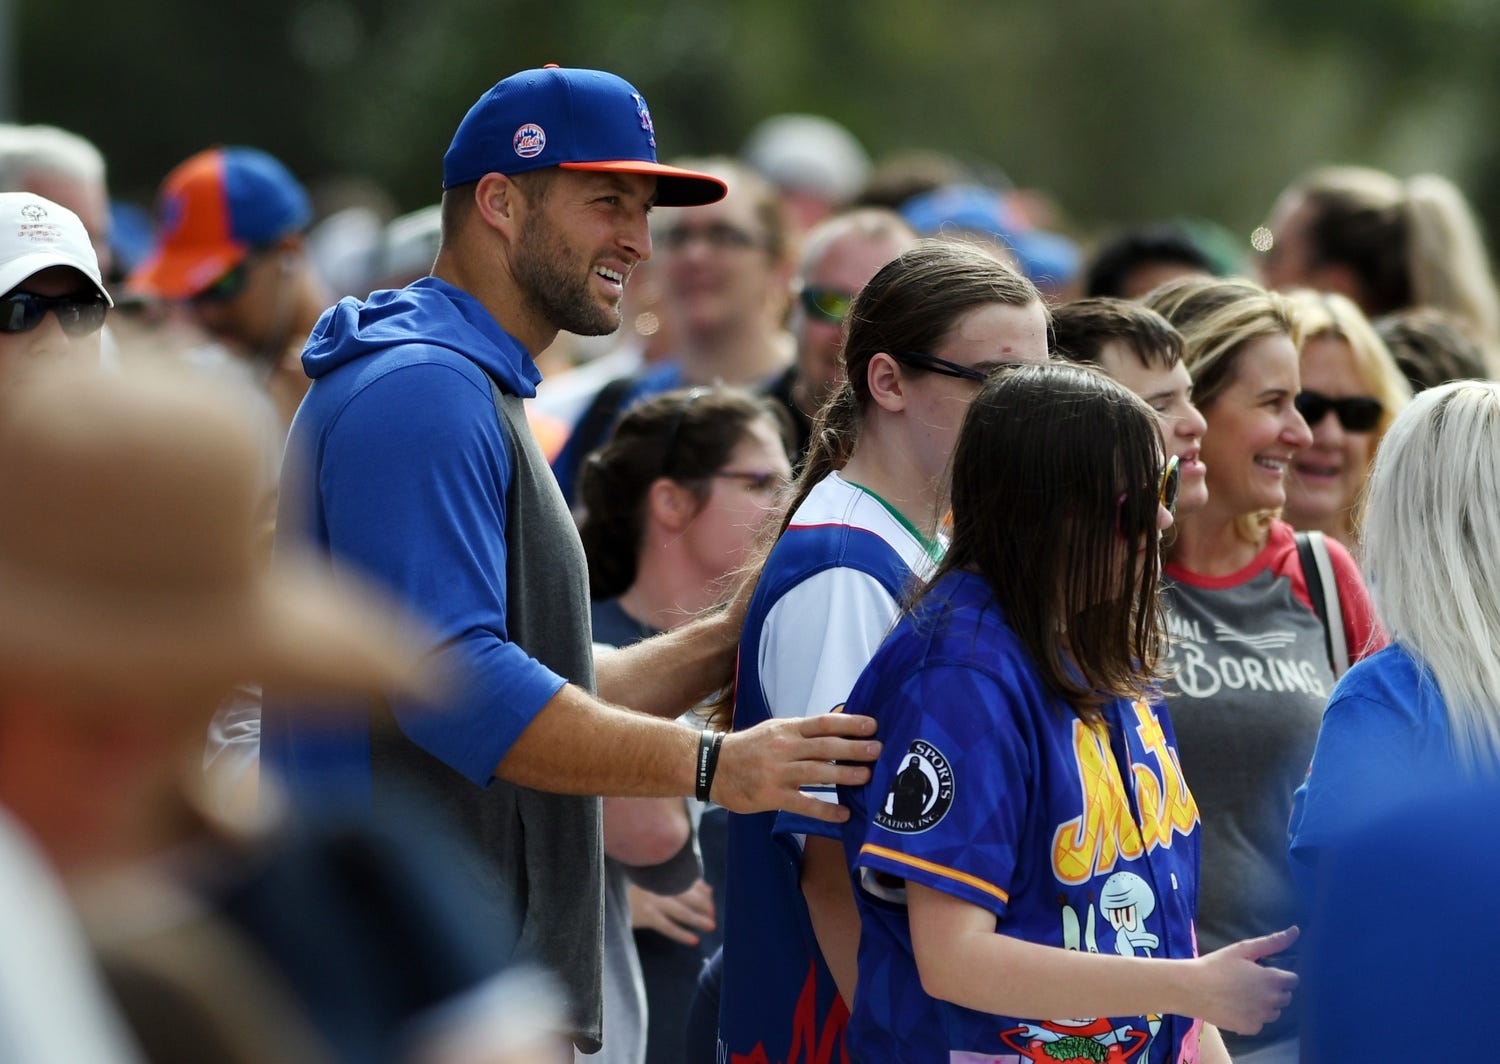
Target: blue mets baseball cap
(573, 119)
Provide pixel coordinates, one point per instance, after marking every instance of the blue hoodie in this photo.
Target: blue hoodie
(406, 473)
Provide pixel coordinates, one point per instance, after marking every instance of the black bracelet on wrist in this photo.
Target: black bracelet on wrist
(709, 742)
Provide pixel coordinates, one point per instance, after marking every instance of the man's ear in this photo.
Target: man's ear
(500, 202)
(671, 505)
(887, 384)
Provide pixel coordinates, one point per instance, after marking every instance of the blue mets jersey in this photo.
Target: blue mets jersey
(829, 593)
(1075, 835)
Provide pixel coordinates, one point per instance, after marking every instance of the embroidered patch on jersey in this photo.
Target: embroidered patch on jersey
(529, 140)
(922, 792)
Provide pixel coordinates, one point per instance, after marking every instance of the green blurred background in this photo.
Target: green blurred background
(1122, 111)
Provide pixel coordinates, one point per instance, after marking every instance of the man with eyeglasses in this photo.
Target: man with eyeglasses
(55, 301)
(424, 474)
(839, 255)
(231, 247)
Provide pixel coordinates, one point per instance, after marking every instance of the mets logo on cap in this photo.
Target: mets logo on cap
(529, 140)
(645, 117)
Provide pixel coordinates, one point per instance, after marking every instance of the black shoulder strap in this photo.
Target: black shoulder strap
(1315, 592)
(599, 419)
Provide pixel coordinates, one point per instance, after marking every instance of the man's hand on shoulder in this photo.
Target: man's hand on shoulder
(765, 767)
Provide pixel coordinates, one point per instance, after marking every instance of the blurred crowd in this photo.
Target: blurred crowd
(458, 637)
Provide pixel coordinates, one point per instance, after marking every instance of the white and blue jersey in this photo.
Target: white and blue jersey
(829, 593)
(991, 789)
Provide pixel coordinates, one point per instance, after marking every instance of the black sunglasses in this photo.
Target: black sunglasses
(933, 364)
(1356, 414)
(827, 305)
(79, 315)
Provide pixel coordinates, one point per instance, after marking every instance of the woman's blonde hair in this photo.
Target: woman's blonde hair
(1217, 318)
(1431, 551)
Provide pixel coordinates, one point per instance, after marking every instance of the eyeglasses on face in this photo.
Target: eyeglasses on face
(1358, 413)
(78, 315)
(755, 481)
(828, 305)
(720, 236)
(933, 364)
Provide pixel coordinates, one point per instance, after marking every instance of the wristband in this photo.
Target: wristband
(709, 742)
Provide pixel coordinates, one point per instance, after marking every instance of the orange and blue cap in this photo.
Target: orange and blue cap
(570, 118)
(213, 210)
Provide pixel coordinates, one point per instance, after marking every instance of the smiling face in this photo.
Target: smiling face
(719, 272)
(1254, 430)
(580, 236)
(1168, 391)
(1328, 475)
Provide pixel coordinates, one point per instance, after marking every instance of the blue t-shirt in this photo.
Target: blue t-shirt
(1384, 742)
(991, 789)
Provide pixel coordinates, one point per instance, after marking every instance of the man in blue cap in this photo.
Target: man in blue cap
(425, 476)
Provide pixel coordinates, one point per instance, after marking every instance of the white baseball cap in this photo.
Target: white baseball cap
(37, 234)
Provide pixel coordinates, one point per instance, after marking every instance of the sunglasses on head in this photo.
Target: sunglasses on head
(78, 315)
(933, 364)
(828, 305)
(1357, 413)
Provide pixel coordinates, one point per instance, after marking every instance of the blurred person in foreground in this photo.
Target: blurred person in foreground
(1425, 711)
(423, 473)
(1351, 392)
(838, 256)
(136, 595)
(1394, 837)
(232, 247)
(55, 302)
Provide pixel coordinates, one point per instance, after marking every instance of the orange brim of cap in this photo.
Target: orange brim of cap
(181, 273)
(675, 187)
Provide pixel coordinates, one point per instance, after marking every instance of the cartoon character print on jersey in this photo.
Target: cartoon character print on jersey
(1127, 902)
(1080, 1041)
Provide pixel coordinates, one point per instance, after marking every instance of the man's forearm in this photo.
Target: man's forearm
(577, 745)
(670, 673)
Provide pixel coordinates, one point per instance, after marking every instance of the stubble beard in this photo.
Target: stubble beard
(547, 271)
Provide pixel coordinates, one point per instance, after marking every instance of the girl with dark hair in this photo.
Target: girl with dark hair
(921, 337)
(1027, 846)
(673, 504)
(1256, 631)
